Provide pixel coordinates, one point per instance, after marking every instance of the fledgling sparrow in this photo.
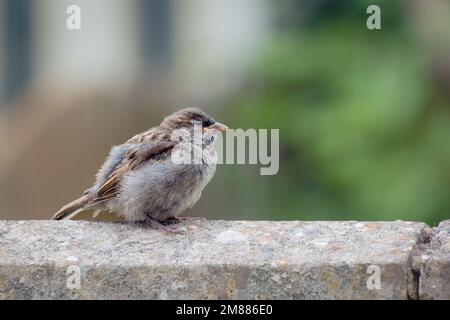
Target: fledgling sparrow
(139, 179)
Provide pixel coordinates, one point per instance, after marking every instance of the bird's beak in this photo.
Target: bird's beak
(217, 126)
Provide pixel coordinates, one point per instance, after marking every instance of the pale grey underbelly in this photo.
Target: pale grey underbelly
(160, 190)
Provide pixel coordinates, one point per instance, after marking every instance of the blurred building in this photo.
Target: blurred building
(190, 42)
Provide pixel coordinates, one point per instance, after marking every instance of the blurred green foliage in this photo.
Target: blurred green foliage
(364, 132)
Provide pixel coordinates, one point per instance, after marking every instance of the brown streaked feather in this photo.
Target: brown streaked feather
(153, 151)
(153, 134)
(71, 208)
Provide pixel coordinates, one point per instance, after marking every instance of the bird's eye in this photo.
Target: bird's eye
(212, 138)
(180, 139)
(207, 123)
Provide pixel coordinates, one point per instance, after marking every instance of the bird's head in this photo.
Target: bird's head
(196, 133)
(188, 118)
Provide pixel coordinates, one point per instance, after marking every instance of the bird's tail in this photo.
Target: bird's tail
(72, 209)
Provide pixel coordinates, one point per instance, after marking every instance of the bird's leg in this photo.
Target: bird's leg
(155, 224)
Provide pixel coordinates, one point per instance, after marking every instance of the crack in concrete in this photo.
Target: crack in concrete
(415, 262)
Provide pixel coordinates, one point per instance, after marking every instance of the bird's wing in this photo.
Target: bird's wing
(136, 156)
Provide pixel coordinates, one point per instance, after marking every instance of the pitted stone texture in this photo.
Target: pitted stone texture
(213, 260)
(435, 267)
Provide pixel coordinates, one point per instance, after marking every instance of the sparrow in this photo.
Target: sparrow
(140, 181)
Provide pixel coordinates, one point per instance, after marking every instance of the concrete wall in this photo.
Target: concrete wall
(225, 260)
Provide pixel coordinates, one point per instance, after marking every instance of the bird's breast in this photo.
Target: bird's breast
(162, 189)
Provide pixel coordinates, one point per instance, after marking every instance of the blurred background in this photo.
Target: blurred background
(364, 116)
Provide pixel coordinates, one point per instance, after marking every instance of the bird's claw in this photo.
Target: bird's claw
(159, 226)
(172, 220)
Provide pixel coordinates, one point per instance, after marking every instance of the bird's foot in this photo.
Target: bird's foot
(155, 224)
(174, 219)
